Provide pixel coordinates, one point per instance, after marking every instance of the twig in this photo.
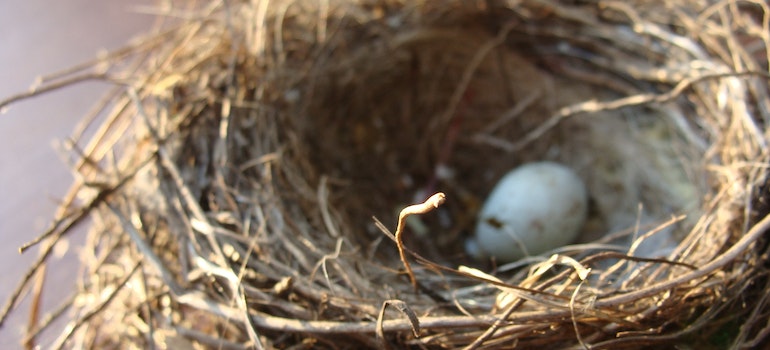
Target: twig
(50, 317)
(69, 219)
(10, 304)
(624, 102)
(57, 230)
(146, 250)
(404, 309)
(76, 324)
(35, 91)
(323, 206)
(574, 319)
(431, 203)
(499, 321)
(728, 256)
(208, 340)
(477, 277)
(263, 320)
(238, 295)
(34, 312)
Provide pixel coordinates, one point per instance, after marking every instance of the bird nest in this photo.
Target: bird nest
(245, 187)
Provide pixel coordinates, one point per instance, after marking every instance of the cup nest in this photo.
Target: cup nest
(251, 164)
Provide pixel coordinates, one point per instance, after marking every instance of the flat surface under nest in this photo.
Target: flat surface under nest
(232, 188)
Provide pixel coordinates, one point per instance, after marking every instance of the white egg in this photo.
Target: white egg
(533, 209)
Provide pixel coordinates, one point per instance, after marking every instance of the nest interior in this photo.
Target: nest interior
(254, 143)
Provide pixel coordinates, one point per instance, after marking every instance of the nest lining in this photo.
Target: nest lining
(263, 139)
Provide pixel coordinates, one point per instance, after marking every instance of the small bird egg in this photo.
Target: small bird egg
(533, 209)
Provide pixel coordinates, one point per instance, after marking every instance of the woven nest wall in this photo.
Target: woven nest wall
(236, 187)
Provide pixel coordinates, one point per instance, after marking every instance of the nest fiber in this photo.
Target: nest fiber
(244, 188)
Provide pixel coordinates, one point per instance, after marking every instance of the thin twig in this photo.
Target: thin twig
(629, 101)
(10, 304)
(406, 311)
(76, 324)
(476, 277)
(34, 310)
(146, 250)
(50, 317)
(730, 255)
(431, 203)
(263, 320)
(37, 91)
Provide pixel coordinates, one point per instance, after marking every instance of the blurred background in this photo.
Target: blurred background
(39, 37)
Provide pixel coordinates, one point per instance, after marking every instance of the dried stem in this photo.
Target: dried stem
(431, 203)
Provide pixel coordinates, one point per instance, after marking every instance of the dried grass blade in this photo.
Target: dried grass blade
(402, 307)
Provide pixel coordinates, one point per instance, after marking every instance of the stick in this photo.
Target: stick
(431, 203)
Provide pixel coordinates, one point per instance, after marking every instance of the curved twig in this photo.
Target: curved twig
(431, 203)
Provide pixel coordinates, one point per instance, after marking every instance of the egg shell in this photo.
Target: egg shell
(540, 206)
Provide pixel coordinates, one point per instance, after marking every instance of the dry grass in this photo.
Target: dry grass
(232, 186)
